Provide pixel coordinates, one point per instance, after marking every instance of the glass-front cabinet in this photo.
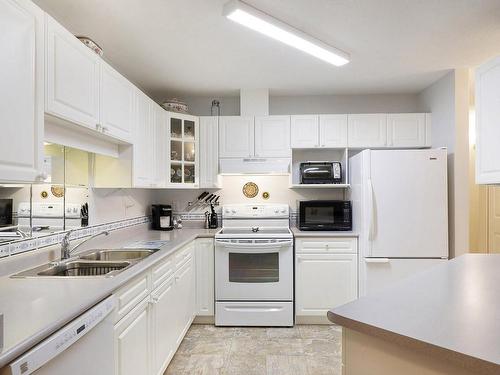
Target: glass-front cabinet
(184, 147)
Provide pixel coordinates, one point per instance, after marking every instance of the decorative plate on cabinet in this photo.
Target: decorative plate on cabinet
(250, 190)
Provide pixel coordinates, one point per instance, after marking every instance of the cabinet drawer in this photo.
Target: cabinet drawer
(183, 255)
(162, 272)
(131, 294)
(342, 245)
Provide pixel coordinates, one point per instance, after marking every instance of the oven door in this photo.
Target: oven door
(254, 269)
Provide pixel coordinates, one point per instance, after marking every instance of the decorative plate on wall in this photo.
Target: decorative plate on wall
(250, 190)
(57, 191)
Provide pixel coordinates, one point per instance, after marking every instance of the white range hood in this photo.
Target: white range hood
(255, 166)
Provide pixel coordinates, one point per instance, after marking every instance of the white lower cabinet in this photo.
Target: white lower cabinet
(148, 334)
(205, 293)
(133, 340)
(163, 313)
(326, 275)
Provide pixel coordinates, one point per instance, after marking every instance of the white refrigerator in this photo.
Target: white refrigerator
(400, 210)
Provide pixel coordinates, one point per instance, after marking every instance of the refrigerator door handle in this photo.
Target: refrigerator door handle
(377, 260)
(371, 227)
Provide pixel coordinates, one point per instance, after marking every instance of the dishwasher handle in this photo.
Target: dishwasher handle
(61, 340)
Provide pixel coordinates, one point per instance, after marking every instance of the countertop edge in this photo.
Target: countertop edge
(463, 360)
(31, 341)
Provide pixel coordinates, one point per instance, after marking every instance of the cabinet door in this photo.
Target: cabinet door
(272, 136)
(159, 156)
(324, 281)
(333, 131)
(304, 131)
(204, 260)
(184, 150)
(236, 137)
(209, 148)
(367, 130)
(487, 127)
(117, 103)
(143, 142)
(163, 315)
(72, 79)
(21, 90)
(406, 130)
(184, 300)
(133, 341)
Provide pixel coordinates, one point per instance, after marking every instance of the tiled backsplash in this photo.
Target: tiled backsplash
(51, 239)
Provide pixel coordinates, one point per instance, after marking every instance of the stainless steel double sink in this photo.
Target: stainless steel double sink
(102, 262)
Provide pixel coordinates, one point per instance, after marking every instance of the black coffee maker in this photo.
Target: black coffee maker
(162, 217)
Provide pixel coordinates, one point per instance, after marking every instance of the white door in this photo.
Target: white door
(304, 131)
(132, 341)
(272, 136)
(236, 136)
(117, 103)
(378, 273)
(204, 260)
(324, 281)
(209, 148)
(72, 79)
(184, 300)
(163, 315)
(21, 90)
(406, 130)
(407, 203)
(333, 131)
(159, 124)
(143, 142)
(487, 129)
(254, 270)
(367, 130)
(493, 219)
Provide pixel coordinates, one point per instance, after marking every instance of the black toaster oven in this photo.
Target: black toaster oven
(321, 172)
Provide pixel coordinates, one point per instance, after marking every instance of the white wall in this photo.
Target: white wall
(448, 100)
(107, 205)
(277, 186)
(284, 105)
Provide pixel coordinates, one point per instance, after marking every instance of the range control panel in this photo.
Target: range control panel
(244, 211)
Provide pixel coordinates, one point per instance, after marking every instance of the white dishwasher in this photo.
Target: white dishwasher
(82, 347)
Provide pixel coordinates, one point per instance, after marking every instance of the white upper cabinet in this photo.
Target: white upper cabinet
(304, 131)
(367, 130)
(488, 122)
(159, 141)
(142, 149)
(21, 90)
(408, 129)
(184, 135)
(209, 148)
(272, 136)
(72, 79)
(236, 137)
(332, 131)
(117, 103)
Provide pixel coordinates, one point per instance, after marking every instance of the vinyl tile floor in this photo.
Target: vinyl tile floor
(301, 350)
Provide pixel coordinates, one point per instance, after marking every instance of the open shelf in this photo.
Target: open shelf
(319, 186)
(303, 155)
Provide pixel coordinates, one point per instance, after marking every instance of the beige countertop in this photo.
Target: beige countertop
(34, 308)
(451, 311)
(314, 233)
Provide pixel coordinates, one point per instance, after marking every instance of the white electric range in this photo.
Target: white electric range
(254, 266)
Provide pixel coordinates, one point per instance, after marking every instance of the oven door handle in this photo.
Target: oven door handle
(254, 245)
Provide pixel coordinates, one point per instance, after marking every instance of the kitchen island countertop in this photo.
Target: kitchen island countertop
(451, 311)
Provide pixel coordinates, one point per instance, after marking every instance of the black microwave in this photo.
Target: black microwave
(325, 215)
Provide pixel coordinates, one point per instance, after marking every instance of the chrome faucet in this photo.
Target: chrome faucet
(66, 249)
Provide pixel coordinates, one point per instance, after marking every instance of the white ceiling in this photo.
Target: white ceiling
(186, 47)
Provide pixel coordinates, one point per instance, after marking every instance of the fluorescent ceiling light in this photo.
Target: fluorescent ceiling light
(263, 23)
